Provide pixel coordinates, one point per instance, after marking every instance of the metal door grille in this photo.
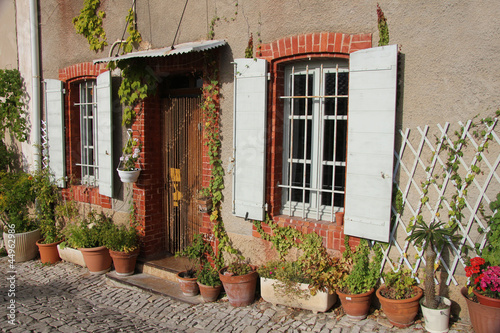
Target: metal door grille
(182, 172)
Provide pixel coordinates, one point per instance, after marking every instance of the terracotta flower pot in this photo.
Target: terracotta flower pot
(48, 252)
(209, 293)
(486, 300)
(97, 259)
(124, 262)
(356, 306)
(240, 289)
(400, 312)
(484, 319)
(189, 287)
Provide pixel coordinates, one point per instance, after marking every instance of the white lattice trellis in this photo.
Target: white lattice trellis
(421, 158)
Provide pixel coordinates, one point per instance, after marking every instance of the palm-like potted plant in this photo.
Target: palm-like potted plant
(209, 283)
(240, 281)
(432, 237)
(357, 287)
(123, 244)
(399, 297)
(88, 236)
(20, 229)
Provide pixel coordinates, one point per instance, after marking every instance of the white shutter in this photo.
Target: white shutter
(55, 129)
(105, 134)
(370, 146)
(250, 138)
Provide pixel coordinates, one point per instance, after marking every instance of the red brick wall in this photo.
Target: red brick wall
(278, 54)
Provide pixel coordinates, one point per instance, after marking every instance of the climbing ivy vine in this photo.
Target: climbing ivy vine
(89, 24)
(13, 115)
(383, 28)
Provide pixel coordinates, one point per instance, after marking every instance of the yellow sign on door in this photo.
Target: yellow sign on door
(175, 175)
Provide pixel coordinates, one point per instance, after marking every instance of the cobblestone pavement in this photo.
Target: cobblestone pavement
(66, 298)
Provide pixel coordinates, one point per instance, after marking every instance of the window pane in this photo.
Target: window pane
(341, 141)
(342, 106)
(299, 89)
(298, 180)
(326, 198)
(343, 83)
(328, 140)
(330, 84)
(299, 139)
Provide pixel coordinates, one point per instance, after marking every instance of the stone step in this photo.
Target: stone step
(157, 276)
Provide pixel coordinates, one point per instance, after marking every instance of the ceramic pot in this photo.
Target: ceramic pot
(400, 312)
(97, 259)
(484, 319)
(320, 302)
(189, 287)
(48, 252)
(356, 306)
(486, 300)
(129, 176)
(436, 320)
(71, 255)
(209, 293)
(124, 262)
(240, 289)
(22, 244)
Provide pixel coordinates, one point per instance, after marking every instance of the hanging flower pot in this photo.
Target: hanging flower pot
(129, 176)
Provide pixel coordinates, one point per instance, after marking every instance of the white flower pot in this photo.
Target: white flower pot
(71, 255)
(436, 320)
(22, 245)
(320, 302)
(128, 176)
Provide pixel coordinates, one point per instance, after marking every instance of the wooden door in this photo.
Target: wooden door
(183, 170)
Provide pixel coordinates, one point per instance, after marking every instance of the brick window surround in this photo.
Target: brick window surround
(71, 76)
(280, 53)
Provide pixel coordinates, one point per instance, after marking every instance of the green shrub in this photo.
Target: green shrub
(88, 232)
(121, 238)
(208, 276)
(16, 198)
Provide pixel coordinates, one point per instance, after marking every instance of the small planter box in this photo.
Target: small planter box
(71, 255)
(320, 302)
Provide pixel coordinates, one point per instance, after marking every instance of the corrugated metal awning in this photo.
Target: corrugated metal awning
(168, 51)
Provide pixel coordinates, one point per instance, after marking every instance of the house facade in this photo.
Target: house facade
(309, 123)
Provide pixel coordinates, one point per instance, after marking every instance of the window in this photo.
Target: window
(85, 126)
(314, 143)
(88, 133)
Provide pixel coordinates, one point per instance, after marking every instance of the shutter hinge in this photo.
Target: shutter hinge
(64, 91)
(265, 206)
(268, 76)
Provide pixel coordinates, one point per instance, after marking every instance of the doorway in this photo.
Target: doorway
(182, 149)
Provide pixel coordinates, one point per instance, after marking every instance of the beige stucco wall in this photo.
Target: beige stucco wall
(449, 51)
(8, 45)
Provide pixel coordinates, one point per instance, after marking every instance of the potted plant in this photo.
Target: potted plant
(288, 283)
(209, 283)
(399, 297)
(194, 253)
(436, 309)
(87, 236)
(20, 229)
(483, 292)
(66, 212)
(123, 245)
(357, 287)
(127, 169)
(46, 199)
(204, 201)
(240, 281)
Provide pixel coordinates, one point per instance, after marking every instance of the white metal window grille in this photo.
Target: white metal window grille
(88, 133)
(315, 133)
